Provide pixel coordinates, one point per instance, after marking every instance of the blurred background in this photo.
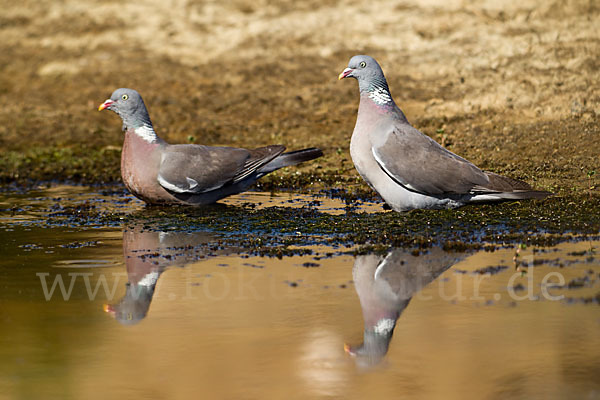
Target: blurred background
(511, 85)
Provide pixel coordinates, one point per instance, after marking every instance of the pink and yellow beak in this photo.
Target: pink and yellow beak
(347, 347)
(105, 105)
(345, 73)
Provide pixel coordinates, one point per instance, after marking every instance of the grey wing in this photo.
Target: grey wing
(406, 274)
(199, 169)
(258, 158)
(420, 164)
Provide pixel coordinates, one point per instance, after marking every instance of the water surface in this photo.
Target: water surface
(179, 313)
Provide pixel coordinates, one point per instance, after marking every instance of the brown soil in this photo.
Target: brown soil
(513, 87)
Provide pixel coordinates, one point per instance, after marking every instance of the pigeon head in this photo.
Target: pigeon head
(373, 348)
(370, 79)
(128, 104)
(133, 307)
(362, 68)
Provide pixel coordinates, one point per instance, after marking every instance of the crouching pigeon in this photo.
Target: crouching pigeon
(161, 173)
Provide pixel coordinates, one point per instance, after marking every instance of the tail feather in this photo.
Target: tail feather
(516, 195)
(291, 158)
(505, 184)
(505, 188)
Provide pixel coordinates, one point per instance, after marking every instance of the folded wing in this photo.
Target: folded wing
(198, 169)
(420, 164)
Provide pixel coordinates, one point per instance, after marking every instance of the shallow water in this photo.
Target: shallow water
(109, 310)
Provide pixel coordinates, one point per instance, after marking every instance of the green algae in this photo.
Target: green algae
(285, 231)
(78, 164)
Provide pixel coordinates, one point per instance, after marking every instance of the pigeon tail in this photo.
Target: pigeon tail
(505, 188)
(291, 158)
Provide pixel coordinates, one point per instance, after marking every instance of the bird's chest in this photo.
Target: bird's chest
(140, 161)
(361, 150)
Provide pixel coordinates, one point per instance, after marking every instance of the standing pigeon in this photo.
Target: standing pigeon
(407, 168)
(162, 173)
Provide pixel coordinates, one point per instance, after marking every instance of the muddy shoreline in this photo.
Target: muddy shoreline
(284, 224)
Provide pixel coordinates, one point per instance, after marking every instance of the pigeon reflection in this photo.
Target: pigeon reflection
(147, 255)
(385, 286)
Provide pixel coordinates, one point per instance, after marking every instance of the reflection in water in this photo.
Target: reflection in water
(385, 286)
(147, 254)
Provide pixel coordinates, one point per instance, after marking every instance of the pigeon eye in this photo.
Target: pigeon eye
(124, 97)
(362, 64)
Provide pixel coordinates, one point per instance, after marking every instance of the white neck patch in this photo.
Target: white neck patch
(384, 326)
(149, 279)
(380, 96)
(146, 132)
